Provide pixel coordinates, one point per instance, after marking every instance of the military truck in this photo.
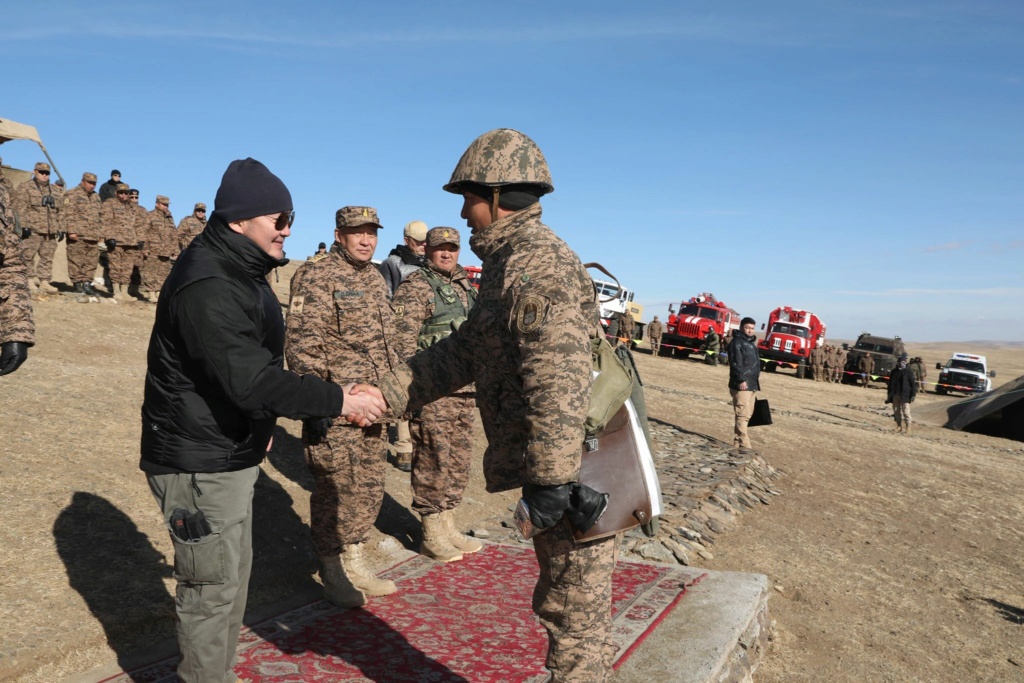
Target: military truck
(885, 351)
(12, 130)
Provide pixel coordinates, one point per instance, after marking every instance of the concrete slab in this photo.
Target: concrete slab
(717, 634)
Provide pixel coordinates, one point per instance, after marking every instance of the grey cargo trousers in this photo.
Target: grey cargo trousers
(212, 574)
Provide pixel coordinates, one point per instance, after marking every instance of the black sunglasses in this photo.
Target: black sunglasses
(43, 172)
(285, 220)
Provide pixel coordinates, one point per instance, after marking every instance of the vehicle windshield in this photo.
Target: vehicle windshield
(877, 348)
(956, 364)
(795, 330)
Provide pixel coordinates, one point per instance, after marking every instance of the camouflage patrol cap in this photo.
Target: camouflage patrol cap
(355, 216)
(416, 230)
(443, 235)
(134, 193)
(160, 199)
(42, 166)
(199, 205)
(121, 187)
(89, 177)
(501, 157)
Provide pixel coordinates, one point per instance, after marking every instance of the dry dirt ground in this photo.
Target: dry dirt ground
(893, 558)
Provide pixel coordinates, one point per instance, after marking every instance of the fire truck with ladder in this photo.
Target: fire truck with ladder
(792, 335)
(686, 329)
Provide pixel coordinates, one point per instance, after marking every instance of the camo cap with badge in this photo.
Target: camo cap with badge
(443, 235)
(356, 216)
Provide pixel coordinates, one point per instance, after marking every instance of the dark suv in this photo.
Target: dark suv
(885, 351)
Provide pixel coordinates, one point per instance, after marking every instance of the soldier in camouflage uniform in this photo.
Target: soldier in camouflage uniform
(341, 328)
(6, 182)
(142, 218)
(191, 225)
(161, 246)
(122, 230)
(526, 344)
(432, 303)
(627, 328)
(38, 205)
(840, 368)
(17, 330)
(828, 363)
(866, 365)
(817, 368)
(655, 331)
(85, 231)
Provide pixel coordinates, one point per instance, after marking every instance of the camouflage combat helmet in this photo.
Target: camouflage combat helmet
(501, 157)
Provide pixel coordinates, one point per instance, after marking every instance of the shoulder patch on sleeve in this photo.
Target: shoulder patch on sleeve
(399, 310)
(297, 303)
(529, 313)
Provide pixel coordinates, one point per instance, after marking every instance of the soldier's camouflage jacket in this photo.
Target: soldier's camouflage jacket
(120, 222)
(160, 236)
(82, 214)
(16, 323)
(526, 344)
(340, 324)
(414, 305)
(188, 229)
(32, 213)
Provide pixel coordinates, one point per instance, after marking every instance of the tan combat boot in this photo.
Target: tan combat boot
(338, 587)
(47, 287)
(906, 429)
(458, 540)
(361, 577)
(436, 544)
(403, 461)
(33, 284)
(121, 292)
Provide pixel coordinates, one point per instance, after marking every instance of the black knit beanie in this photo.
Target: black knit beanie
(247, 190)
(513, 197)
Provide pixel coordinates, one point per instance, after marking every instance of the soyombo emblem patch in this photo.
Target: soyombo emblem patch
(399, 310)
(297, 303)
(530, 314)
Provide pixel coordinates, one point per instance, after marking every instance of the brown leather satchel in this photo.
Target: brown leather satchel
(618, 461)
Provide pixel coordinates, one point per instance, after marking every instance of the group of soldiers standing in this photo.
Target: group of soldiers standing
(828, 363)
(138, 244)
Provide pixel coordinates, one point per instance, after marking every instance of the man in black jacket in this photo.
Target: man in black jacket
(108, 190)
(744, 373)
(902, 392)
(215, 385)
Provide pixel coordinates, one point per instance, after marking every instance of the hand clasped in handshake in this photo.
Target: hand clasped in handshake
(364, 404)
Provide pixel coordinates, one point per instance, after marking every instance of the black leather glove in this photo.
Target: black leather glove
(12, 355)
(110, 244)
(547, 503)
(316, 428)
(61, 235)
(142, 244)
(586, 506)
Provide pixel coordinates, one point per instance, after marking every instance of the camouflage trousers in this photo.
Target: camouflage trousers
(837, 374)
(122, 261)
(655, 345)
(743, 408)
(348, 467)
(573, 599)
(82, 260)
(43, 245)
(901, 411)
(819, 372)
(442, 440)
(155, 270)
(826, 373)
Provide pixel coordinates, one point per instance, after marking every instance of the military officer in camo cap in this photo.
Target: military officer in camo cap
(341, 325)
(526, 344)
(191, 225)
(39, 207)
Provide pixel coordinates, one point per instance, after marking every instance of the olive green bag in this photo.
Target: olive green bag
(612, 384)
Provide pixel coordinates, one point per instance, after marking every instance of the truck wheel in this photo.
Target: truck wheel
(801, 371)
(940, 390)
(771, 366)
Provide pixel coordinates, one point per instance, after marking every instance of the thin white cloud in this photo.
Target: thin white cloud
(948, 246)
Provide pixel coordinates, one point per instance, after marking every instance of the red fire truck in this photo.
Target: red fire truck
(792, 335)
(686, 329)
(473, 274)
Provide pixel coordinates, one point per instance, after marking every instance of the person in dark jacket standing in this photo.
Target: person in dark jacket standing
(108, 190)
(744, 373)
(215, 385)
(902, 392)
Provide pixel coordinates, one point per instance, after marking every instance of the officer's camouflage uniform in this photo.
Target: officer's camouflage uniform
(141, 226)
(190, 227)
(442, 435)
(655, 331)
(16, 323)
(44, 220)
(341, 328)
(526, 345)
(817, 369)
(627, 328)
(82, 218)
(840, 364)
(828, 363)
(121, 224)
(161, 246)
(866, 364)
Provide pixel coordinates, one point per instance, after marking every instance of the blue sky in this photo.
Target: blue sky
(864, 159)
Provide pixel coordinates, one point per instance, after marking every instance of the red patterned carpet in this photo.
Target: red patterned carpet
(464, 621)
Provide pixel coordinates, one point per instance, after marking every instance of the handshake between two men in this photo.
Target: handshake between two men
(364, 405)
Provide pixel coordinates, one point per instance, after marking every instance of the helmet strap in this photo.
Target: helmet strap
(494, 203)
